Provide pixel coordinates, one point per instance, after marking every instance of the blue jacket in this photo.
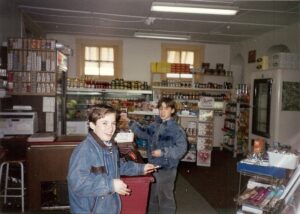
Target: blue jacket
(92, 168)
(167, 136)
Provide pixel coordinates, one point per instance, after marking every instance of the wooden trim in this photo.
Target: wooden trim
(118, 55)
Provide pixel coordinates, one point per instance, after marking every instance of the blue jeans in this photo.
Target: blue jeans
(162, 199)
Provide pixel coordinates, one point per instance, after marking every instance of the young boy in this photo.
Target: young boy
(94, 182)
(166, 146)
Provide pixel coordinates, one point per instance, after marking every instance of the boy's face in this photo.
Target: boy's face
(165, 112)
(105, 127)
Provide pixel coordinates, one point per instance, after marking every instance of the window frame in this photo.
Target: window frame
(117, 45)
(197, 49)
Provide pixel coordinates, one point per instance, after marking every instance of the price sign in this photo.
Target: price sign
(206, 102)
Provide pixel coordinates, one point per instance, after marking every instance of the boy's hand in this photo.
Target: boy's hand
(120, 187)
(156, 153)
(149, 168)
(123, 117)
(123, 122)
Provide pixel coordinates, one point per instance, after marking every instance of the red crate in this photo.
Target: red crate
(137, 201)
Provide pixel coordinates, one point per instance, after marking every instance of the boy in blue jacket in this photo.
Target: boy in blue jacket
(167, 144)
(94, 182)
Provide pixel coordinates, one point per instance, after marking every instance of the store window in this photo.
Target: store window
(186, 54)
(100, 59)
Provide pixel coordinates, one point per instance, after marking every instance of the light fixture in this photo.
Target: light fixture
(193, 8)
(161, 36)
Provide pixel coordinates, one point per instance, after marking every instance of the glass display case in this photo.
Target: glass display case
(78, 100)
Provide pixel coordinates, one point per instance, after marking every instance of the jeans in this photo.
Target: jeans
(162, 199)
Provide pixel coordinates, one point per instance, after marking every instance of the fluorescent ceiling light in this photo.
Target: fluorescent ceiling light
(193, 8)
(161, 36)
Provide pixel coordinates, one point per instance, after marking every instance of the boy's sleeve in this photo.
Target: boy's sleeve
(139, 130)
(131, 168)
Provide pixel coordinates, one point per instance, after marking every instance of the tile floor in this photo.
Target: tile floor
(189, 201)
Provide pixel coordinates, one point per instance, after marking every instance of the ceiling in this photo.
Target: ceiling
(121, 18)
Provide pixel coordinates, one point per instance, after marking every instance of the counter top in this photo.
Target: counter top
(61, 140)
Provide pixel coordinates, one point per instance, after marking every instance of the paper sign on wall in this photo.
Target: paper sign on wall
(48, 104)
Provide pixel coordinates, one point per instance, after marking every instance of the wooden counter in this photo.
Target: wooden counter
(47, 161)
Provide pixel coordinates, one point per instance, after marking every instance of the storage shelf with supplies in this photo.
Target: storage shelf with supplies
(32, 65)
(269, 190)
(236, 127)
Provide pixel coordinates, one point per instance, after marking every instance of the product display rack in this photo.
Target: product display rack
(236, 127)
(205, 133)
(189, 124)
(258, 196)
(32, 65)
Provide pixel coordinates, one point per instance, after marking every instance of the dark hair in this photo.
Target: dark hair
(169, 103)
(99, 111)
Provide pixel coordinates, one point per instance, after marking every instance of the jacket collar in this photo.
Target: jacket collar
(159, 120)
(100, 142)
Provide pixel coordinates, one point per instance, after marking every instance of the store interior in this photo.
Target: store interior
(235, 79)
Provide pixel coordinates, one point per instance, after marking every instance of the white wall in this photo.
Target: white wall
(289, 36)
(139, 53)
(9, 20)
(217, 54)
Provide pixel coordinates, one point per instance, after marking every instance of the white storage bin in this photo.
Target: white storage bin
(287, 161)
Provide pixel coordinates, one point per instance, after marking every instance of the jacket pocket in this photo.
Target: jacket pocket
(98, 170)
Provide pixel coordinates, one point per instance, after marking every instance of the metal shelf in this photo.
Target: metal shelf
(89, 91)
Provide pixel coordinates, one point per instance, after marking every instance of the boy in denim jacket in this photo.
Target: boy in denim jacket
(94, 182)
(167, 144)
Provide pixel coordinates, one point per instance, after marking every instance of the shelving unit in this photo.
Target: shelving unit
(236, 127)
(189, 124)
(264, 192)
(205, 132)
(31, 63)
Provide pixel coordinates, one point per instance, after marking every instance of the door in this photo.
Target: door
(261, 107)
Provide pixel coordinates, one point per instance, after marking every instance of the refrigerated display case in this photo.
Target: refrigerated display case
(78, 100)
(275, 107)
(262, 91)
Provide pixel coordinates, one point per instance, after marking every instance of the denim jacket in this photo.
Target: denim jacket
(168, 136)
(92, 168)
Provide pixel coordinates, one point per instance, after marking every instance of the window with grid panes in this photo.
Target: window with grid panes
(180, 53)
(100, 58)
(185, 54)
(183, 57)
(99, 61)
